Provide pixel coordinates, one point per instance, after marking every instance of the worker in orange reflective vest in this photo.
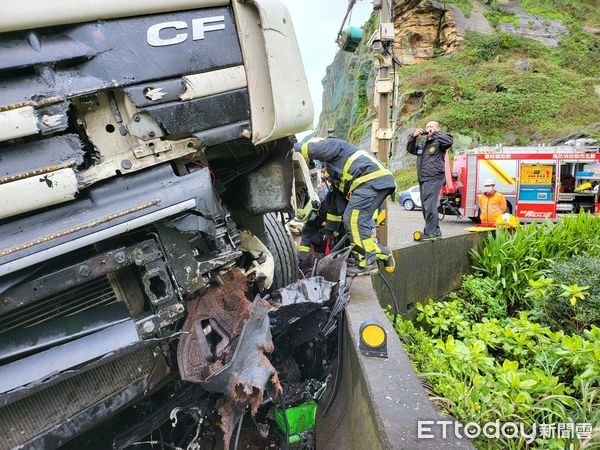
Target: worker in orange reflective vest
(491, 204)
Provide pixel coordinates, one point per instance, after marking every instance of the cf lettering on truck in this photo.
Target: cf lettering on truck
(157, 34)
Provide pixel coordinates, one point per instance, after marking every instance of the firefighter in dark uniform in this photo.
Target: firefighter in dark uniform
(365, 183)
(431, 154)
(320, 233)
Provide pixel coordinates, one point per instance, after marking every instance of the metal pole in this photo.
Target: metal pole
(384, 88)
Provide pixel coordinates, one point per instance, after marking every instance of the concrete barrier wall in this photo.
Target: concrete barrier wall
(379, 400)
(427, 270)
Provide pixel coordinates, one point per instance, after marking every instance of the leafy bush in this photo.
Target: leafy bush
(512, 259)
(479, 299)
(563, 307)
(441, 318)
(539, 366)
(508, 370)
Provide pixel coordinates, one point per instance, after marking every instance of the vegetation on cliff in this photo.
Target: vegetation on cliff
(501, 87)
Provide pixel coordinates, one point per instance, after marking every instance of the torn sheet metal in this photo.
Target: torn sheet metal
(333, 266)
(37, 192)
(297, 300)
(224, 346)
(213, 322)
(215, 82)
(315, 290)
(225, 334)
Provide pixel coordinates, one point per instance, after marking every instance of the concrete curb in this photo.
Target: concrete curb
(427, 270)
(379, 401)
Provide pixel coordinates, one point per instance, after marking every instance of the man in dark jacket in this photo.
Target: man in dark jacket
(431, 172)
(315, 233)
(365, 183)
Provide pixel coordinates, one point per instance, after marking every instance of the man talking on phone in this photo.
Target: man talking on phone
(430, 151)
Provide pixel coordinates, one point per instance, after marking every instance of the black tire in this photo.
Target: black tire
(282, 247)
(475, 219)
(408, 204)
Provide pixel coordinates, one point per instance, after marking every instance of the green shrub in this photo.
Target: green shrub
(441, 318)
(583, 271)
(479, 299)
(512, 259)
(510, 370)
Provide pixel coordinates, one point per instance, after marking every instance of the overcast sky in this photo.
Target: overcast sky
(316, 23)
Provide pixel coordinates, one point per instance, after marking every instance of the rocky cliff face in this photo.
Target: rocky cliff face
(493, 71)
(425, 30)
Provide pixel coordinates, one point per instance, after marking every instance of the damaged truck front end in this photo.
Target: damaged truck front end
(145, 170)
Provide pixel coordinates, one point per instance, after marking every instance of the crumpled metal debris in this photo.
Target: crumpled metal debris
(214, 321)
(296, 301)
(224, 346)
(333, 266)
(226, 339)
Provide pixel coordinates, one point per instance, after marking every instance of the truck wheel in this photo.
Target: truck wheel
(282, 247)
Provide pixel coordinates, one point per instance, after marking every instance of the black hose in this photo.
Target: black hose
(285, 420)
(340, 363)
(237, 433)
(395, 300)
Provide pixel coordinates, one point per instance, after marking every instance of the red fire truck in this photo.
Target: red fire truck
(538, 182)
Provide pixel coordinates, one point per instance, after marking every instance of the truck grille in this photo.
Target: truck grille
(94, 293)
(25, 419)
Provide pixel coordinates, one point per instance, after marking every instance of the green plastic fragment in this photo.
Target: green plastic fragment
(300, 418)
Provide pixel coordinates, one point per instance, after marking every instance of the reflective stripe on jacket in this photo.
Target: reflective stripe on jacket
(347, 166)
(491, 207)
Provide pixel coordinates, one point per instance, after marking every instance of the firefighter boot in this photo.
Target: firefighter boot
(358, 266)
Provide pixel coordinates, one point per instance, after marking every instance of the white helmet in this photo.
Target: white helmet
(489, 182)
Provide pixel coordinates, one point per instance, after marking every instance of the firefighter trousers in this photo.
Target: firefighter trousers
(430, 192)
(360, 226)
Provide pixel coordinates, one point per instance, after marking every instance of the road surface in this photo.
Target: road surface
(402, 224)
